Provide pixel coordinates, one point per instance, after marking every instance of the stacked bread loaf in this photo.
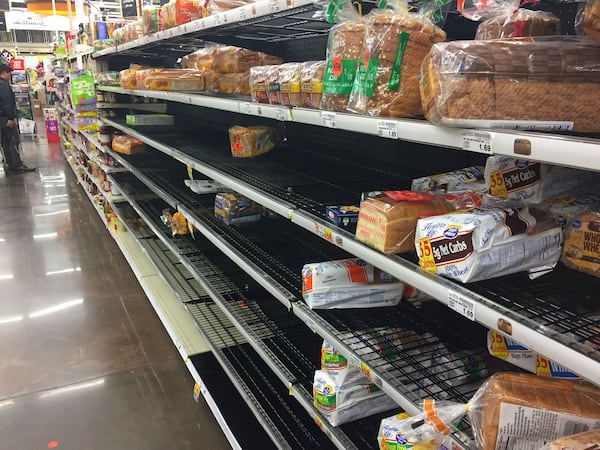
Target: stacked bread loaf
(394, 48)
(551, 79)
(521, 23)
(311, 78)
(591, 21)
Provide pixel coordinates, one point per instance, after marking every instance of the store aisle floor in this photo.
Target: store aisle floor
(85, 363)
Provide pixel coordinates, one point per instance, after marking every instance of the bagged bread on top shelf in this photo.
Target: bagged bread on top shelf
(170, 80)
(234, 209)
(396, 43)
(554, 80)
(228, 59)
(249, 142)
(348, 283)
(344, 47)
(289, 84)
(127, 145)
(588, 21)
(534, 182)
(516, 411)
(178, 12)
(152, 19)
(488, 243)
(469, 178)
(519, 23)
(311, 78)
(582, 243)
(387, 220)
(588, 440)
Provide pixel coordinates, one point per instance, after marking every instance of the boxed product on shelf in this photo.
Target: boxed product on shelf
(519, 23)
(509, 350)
(149, 119)
(587, 440)
(152, 19)
(127, 145)
(259, 85)
(582, 243)
(487, 243)
(469, 178)
(311, 79)
(342, 216)
(387, 220)
(249, 142)
(228, 59)
(591, 19)
(387, 82)
(554, 80)
(235, 209)
(532, 181)
(289, 84)
(341, 402)
(348, 283)
(527, 411)
(170, 80)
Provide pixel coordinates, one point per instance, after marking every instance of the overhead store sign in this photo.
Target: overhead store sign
(18, 20)
(129, 8)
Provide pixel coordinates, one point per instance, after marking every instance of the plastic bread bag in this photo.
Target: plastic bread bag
(217, 6)
(259, 85)
(519, 23)
(582, 243)
(249, 142)
(311, 78)
(587, 21)
(127, 145)
(517, 411)
(479, 10)
(387, 219)
(229, 59)
(425, 431)
(534, 182)
(211, 80)
(344, 48)
(487, 243)
(396, 43)
(274, 86)
(588, 440)
(189, 80)
(289, 84)
(186, 11)
(269, 60)
(235, 209)
(348, 283)
(554, 79)
(200, 59)
(338, 367)
(152, 19)
(457, 180)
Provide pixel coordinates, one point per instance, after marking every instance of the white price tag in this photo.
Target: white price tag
(461, 305)
(245, 108)
(218, 19)
(243, 14)
(387, 129)
(274, 5)
(328, 119)
(477, 141)
(281, 114)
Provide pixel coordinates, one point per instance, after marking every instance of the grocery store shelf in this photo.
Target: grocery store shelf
(535, 319)
(267, 21)
(544, 147)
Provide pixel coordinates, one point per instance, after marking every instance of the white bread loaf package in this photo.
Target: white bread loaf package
(469, 178)
(519, 23)
(487, 243)
(249, 142)
(424, 431)
(348, 283)
(395, 45)
(534, 182)
(511, 351)
(519, 411)
(555, 82)
(343, 54)
(588, 440)
(311, 77)
(582, 243)
(235, 209)
(387, 220)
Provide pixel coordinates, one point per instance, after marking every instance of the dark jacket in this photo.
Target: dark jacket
(8, 105)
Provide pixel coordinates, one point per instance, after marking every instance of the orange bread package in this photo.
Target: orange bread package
(190, 80)
(127, 145)
(228, 59)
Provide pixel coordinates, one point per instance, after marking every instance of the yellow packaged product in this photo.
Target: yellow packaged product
(289, 84)
(582, 243)
(311, 83)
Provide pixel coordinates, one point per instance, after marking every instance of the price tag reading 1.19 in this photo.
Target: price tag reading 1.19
(461, 305)
(387, 129)
(477, 141)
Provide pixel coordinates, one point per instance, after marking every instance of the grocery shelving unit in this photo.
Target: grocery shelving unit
(241, 287)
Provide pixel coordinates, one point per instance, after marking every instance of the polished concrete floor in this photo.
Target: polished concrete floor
(84, 361)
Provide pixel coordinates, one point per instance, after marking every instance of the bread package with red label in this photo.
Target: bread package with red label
(486, 243)
(152, 19)
(395, 45)
(249, 142)
(235, 209)
(534, 182)
(348, 283)
(274, 86)
(387, 220)
(582, 243)
(469, 178)
(554, 81)
(289, 84)
(311, 78)
(519, 23)
(259, 85)
(519, 411)
(588, 440)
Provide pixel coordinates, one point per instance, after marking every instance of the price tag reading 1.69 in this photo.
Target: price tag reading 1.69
(461, 305)
(477, 141)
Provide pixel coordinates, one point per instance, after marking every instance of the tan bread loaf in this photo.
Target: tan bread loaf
(248, 142)
(530, 391)
(127, 145)
(522, 23)
(389, 225)
(550, 79)
(589, 440)
(591, 19)
(228, 59)
(311, 78)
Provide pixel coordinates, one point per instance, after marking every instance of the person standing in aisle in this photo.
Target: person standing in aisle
(9, 128)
